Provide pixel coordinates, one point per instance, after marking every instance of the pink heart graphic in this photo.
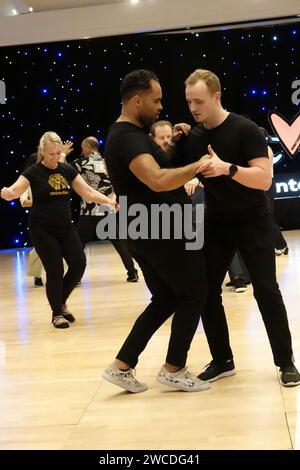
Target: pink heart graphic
(287, 132)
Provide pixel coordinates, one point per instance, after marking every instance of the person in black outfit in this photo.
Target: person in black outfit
(140, 172)
(238, 274)
(280, 243)
(91, 167)
(50, 227)
(237, 216)
(35, 264)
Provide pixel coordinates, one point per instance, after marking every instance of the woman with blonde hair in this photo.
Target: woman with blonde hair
(50, 226)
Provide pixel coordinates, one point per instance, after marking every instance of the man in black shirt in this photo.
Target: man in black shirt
(237, 217)
(140, 172)
(91, 166)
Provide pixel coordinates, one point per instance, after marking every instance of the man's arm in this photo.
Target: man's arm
(146, 169)
(257, 176)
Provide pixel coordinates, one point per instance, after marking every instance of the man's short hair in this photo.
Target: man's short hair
(159, 124)
(135, 82)
(211, 79)
(92, 141)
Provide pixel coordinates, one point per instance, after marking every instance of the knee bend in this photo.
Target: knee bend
(76, 268)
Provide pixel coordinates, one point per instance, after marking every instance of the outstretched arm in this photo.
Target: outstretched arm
(15, 190)
(147, 170)
(91, 195)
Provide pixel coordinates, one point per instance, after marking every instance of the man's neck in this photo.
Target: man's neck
(216, 120)
(128, 117)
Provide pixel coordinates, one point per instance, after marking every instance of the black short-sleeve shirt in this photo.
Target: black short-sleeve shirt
(237, 140)
(125, 142)
(51, 191)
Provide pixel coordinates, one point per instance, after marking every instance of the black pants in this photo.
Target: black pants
(52, 245)
(237, 268)
(254, 238)
(86, 228)
(176, 279)
(279, 240)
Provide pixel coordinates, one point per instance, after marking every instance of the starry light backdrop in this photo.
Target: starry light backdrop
(73, 88)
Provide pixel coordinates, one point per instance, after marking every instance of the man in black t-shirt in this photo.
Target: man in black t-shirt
(91, 166)
(237, 217)
(143, 180)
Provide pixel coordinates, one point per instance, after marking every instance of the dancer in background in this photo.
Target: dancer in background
(50, 226)
(91, 166)
(281, 247)
(35, 265)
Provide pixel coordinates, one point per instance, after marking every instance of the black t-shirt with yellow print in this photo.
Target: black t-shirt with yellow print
(51, 191)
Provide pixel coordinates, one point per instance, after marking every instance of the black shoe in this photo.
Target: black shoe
(67, 314)
(59, 322)
(289, 376)
(229, 284)
(216, 371)
(239, 285)
(282, 251)
(133, 276)
(38, 281)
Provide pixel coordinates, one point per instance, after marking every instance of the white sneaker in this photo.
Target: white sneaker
(182, 380)
(124, 379)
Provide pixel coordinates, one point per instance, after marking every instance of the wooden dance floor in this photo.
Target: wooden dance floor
(52, 395)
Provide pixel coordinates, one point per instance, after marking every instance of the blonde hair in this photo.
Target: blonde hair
(159, 124)
(211, 79)
(49, 137)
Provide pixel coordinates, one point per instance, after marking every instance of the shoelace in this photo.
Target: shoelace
(131, 374)
(59, 320)
(185, 373)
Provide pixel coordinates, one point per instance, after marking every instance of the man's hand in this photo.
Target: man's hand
(68, 147)
(214, 166)
(191, 186)
(179, 130)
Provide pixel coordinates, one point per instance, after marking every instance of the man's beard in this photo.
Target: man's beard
(147, 122)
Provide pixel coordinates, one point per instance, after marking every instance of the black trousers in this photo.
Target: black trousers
(176, 279)
(279, 240)
(237, 268)
(253, 237)
(86, 228)
(52, 245)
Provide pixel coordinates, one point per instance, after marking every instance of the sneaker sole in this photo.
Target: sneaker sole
(62, 326)
(204, 386)
(221, 376)
(115, 381)
(290, 384)
(238, 290)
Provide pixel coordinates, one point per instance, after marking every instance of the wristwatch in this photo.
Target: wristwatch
(232, 170)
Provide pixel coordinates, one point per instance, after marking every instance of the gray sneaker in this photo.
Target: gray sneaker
(124, 379)
(289, 376)
(182, 380)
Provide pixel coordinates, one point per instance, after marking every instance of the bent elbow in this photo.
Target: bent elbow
(267, 184)
(156, 186)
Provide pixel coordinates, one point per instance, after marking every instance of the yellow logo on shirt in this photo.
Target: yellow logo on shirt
(58, 182)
